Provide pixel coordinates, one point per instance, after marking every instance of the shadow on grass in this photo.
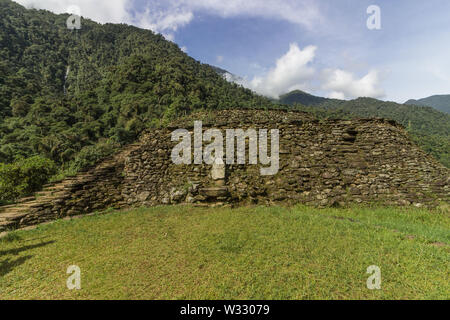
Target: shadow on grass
(8, 265)
(16, 251)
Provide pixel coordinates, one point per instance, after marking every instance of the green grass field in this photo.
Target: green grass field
(248, 253)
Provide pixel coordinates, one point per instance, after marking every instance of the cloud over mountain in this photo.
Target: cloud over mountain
(292, 71)
(344, 84)
(295, 71)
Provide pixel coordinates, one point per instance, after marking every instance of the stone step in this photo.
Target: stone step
(66, 181)
(7, 225)
(33, 204)
(8, 207)
(15, 209)
(45, 195)
(4, 224)
(214, 192)
(23, 200)
(50, 194)
(43, 199)
(60, 190)
(12, 211)
(61, 193)
(76, 184)
(51, 189)
(42, 194)
(14, 216)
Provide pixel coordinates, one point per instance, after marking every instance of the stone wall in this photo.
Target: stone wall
(322, 163)
(325, 163)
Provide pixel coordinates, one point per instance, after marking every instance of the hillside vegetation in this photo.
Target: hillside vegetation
(301, 97)
(438, 102)
(246, 253)
(120, 80)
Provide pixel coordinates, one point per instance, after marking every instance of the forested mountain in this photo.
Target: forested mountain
(439, 102)
(70, 95)
(301, 97)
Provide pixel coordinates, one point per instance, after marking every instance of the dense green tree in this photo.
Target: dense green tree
(63, 92)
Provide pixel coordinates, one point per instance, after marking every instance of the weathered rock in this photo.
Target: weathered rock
(215, 192)
(177, 196)
(143, 196)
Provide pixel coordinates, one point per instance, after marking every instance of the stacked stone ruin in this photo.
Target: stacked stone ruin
(322, 163)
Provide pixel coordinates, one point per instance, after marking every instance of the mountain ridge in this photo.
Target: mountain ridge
(302, 97)
(438, 102)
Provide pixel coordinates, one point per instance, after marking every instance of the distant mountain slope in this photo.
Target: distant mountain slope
(301, 97)
(439, 102)
(429, 127)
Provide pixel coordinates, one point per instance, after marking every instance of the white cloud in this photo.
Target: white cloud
(184, 49)
(162, 21)
(295, 70)
(166, 17)
(115, 11)
(219, 59)
(292, 71)
(169, 36)
(302, 12)
(336, 95)
(344, 84)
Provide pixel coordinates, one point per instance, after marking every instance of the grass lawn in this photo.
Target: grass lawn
(247, 253)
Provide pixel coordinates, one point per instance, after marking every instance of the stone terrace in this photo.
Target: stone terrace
(322, 163)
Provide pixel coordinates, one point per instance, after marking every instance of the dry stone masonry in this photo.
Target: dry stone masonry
(322, 163)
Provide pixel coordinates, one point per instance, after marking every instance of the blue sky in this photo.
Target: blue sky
(321, 46)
